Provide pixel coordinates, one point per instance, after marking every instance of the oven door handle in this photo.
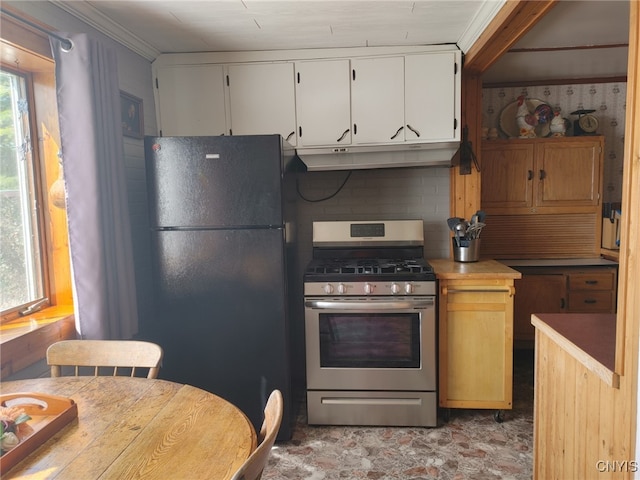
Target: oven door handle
(372, 305)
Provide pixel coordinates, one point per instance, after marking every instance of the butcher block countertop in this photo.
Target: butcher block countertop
(590, 338)
(490, 269)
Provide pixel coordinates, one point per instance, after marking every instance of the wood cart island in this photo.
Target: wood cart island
(475, 334)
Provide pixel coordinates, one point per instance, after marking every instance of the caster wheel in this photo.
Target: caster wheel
(498, 416)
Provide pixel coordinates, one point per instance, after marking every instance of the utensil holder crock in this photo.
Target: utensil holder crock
(468, 251)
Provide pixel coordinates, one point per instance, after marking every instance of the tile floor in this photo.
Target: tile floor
(470, 445)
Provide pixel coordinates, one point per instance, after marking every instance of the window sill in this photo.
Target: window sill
(24, 341)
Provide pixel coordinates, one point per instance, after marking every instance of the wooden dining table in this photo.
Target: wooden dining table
(137, 428)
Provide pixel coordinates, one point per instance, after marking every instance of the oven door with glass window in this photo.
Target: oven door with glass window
(372, 343)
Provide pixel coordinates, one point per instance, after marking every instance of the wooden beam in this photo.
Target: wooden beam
(511, 23)
(629, 285)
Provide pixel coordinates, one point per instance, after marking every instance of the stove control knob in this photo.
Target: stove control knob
(395, 288)
(408, 288)
(368, 288)
(328, 288)
(342, 288)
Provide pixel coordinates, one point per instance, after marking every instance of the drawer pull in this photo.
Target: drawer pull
(591, 282)
(510, 290)
(590, 301)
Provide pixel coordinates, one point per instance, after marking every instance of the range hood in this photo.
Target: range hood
(379, 156)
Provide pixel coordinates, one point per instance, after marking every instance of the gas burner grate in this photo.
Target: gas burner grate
(369, 267)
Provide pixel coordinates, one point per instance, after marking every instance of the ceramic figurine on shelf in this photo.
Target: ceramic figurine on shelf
(525, 119)
(528, 121)
(558, 126)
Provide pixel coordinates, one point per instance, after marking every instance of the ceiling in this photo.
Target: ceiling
(554, 48)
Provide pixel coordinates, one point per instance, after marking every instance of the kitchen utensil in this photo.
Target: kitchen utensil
(473, 231)
(453, 221)
(481, 214)
(460, 230)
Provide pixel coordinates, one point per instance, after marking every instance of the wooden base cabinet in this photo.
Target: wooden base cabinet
(542, 293)
(561, 289)
(476, 341)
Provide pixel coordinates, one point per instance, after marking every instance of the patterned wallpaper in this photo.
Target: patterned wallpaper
(607, 99)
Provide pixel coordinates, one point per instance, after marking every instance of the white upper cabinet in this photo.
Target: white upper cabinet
(262, 99)
(410, 98)
(323, 102)
(377, 100)
(431, 103)
(191, 100)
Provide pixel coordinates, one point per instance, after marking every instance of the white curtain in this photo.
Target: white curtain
(93, 160)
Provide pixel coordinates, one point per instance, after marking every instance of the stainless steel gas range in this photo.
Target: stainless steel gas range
(370, 325)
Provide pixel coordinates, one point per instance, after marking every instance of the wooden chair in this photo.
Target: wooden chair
(254, 465)
(101, 355)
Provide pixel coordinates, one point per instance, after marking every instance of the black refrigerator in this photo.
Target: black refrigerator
(220, 214)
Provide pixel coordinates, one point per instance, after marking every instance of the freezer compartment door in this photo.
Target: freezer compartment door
(214, 181)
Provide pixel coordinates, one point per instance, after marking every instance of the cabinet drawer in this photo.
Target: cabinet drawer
(595, 301)
(591, 281)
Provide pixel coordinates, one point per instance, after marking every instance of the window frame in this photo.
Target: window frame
(39, 198)
(27, 52)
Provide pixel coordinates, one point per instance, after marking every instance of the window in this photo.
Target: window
(34, 246)
(21, 265)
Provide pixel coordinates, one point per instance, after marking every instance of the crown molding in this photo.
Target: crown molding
(485, 15)
(93, 17)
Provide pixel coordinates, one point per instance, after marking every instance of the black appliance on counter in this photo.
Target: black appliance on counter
(219, 210)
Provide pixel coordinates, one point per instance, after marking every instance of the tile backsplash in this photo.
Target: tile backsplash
(387, 194)
(607, 99)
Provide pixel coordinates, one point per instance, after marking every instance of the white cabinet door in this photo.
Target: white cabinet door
(377, 100)
(262, 99)
(430, 97)
(191, 100)
(323, 102)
